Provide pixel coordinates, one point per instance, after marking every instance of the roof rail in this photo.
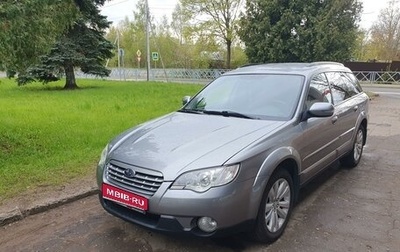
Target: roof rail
(317, 63)
(250, 64)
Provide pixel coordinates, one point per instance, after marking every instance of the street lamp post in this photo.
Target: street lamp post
(148, 39)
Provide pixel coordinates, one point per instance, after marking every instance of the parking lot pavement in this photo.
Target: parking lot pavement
(356, 209)
(342, 210)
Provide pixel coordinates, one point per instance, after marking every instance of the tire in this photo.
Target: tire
(275, 208)
(354, 156)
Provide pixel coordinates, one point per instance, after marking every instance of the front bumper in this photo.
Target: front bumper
(169, 224)
(177, 211)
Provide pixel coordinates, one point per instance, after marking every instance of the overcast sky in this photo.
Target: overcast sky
(117, 10)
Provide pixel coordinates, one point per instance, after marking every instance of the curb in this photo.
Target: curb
(18, 214)
(376, 85)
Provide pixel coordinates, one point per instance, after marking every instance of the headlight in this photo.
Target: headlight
(202, 180)
(100, 166)
(103, 157)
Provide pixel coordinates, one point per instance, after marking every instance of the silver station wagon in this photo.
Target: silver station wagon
(235, 156)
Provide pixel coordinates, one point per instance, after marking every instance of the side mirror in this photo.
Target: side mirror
(319, 109)
(185, 100)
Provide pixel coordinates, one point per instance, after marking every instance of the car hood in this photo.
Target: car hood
(179, 142)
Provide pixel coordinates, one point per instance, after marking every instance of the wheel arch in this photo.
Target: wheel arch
(284, 158)
(286, 167)
(291, 166)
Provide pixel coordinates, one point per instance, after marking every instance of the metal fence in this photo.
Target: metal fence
(157, 74)
(378, 77)
(207, 75)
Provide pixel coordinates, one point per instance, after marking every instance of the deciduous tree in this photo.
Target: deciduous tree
(385, 33)
(181, 24)
(28, 29)
(217, 17)
(132, 36)
(300, 30)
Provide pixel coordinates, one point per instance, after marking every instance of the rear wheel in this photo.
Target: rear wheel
(276, 207)
(354, 156)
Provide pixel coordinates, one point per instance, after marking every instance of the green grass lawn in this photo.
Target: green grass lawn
(49, 136)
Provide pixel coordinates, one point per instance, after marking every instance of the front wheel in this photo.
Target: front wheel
(354, 156)
(276, 207)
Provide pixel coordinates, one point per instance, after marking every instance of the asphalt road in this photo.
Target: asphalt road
(342, 210)
(385, 91)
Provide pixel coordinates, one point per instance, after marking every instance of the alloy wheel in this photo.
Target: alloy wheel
(358, 145)
(277, 205)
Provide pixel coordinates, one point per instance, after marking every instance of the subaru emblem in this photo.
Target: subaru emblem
(129, 173)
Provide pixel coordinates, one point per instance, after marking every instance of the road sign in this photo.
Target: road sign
(155, 56)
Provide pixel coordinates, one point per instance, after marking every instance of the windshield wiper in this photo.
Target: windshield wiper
(192, 111)
(228, 113)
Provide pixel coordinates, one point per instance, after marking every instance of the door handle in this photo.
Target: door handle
(355, 108)
(334, 119)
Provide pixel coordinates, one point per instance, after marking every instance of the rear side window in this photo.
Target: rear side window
(342, 87)
(354, 81)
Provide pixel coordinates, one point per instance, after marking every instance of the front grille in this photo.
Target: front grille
(143, 182)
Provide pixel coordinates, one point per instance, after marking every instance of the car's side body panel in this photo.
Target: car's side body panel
(317, 146)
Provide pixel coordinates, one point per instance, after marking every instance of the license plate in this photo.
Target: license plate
(125, 198)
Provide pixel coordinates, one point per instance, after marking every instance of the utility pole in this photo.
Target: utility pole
(119, 56)
(119, 62)
(148, 39)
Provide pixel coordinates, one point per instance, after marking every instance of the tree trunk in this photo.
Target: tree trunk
(228, 53)
(70, 82)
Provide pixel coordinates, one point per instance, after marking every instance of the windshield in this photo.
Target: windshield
(267, 96)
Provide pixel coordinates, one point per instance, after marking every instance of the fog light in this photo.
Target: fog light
(207, 224)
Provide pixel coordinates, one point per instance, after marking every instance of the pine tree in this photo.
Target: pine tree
(81, 45)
